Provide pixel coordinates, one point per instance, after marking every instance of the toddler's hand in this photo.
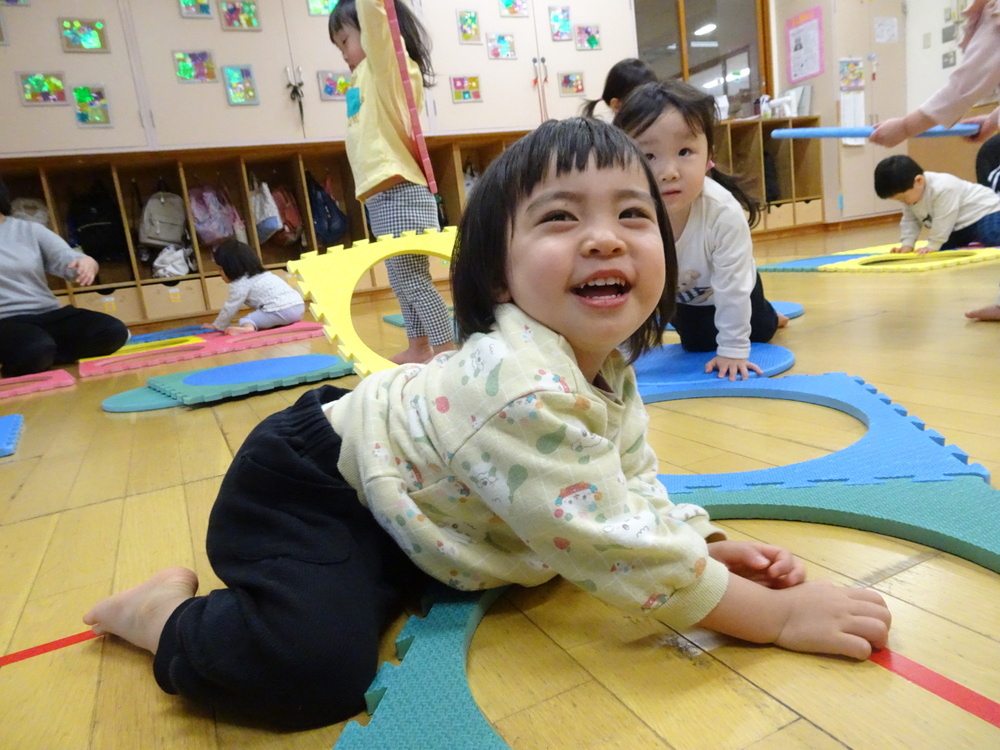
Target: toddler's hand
(829, 619)
(766, 564)
(902, 249)
(922, 250)
(730, 368)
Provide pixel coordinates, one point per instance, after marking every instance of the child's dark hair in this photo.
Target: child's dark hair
(5, 207)
(237, 259)
(895, 175)
(645, 105)
(624, 76)
(479, 263)
(415, 36)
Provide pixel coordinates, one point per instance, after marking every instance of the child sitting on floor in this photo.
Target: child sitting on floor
(273, 302)
(519, 457)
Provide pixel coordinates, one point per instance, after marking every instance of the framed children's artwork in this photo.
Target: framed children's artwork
(91, 105)
(465, 89)
(83, 35)
(195, 67)
(500, 46)
(195, 8)
(240, 16)
(333, 84)
(469, 31)
(514, 8)
(241, 88)
(321, 7)
(571, 84)
(588, 37)
(42, 88)
(559, 23)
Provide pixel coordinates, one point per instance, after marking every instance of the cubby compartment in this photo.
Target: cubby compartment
(809, 212)
(333, 172)
(203, 169)
(217, 291)
(123, 303)
(173, 299)
(140, 181)
(283, 174)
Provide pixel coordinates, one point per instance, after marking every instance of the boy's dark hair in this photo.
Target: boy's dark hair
(645, 105)
(5, 207)
(479, 263)
(415, 36)
(895, 174)
(624, 76)
(237, 259)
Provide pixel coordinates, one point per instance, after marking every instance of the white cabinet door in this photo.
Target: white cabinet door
(33, 46)
(192, 114)
(602, 32)
(313, 53)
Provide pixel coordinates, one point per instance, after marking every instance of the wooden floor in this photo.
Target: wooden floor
(93, 502)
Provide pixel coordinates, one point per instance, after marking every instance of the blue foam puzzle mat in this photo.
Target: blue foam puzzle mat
(228, 381)
(425, 701)
(139, 399)
(669, 364)
(788, 309)
(171, 333)
(10, 432)
(809, 264)
(896, 445)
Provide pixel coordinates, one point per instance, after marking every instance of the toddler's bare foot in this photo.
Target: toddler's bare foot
(990, 312)
(237, 330)
(413, 355)
(782, 320)
(138, 614)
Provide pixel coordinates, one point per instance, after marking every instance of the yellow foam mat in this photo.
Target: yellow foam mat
(876, 249)
(911, 262)
(150, 346)
(327, 281)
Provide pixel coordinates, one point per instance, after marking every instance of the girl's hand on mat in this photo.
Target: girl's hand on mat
(730, 368)
(923, 250)
(902, 249)
(766, 564)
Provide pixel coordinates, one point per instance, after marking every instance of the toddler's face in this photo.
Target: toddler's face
(678, 157)
(348, 41)
(914, 194)
(585, 258)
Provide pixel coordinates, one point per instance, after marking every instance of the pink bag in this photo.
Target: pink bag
(215, 217)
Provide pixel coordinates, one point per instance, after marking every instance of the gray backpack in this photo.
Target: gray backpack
(164, 220)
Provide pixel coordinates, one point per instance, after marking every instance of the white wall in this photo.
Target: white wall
(925, 23)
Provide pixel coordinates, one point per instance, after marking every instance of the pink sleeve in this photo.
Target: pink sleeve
(977, 76)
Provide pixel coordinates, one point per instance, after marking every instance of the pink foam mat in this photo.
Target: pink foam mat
(213, 344)
(40, 381)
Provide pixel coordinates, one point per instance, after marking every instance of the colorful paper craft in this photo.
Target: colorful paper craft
(500, 47)
(333, 84)
(195, 67)
(469, 31)
(91, 106)
(465, 89)
(559, 24)
(571, 84)
(588, 37)
(195, 9)
(241, 16)
(42, 89)
(517, 8)
(321, 7)
(241, 88)
(80, 35)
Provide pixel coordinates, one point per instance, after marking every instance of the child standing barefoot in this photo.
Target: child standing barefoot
(519, 457)
(274, 303)
(380, 148)
(721, 303)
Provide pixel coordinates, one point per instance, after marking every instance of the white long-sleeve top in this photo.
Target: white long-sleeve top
(716, 266)
(265, 291)
(949, 203)
(500, 463)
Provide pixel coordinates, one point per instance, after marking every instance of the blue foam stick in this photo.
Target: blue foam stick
(864, 132)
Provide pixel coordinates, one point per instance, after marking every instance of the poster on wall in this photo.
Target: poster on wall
(240, 16)
(514, 8)
(852, 97)
(42, 89)
(241, 88)
(194, 67)
(83, 35)
(333, 84)
(468, 27)
(559, 23)
(804, 36)
(500, 47)
(571, 84)
(91, 105)
(465, 90)
(195, 9)
(588, 37)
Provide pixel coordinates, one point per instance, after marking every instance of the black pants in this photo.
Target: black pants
(313, 579)
(696, 323)
(37, 342)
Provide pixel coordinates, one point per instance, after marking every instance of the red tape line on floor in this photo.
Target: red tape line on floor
(959, 695)
(46, 647)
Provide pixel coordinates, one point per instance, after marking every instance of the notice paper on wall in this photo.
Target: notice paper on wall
(852, 97)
